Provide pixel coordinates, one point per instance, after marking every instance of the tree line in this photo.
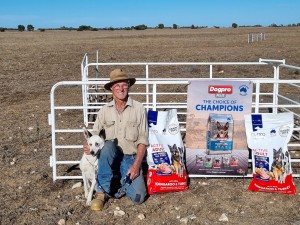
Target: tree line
(30, 27)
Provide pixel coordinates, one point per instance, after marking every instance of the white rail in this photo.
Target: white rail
(150, 104)
(152, 92)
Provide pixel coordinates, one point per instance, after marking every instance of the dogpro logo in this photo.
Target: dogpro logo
(220, 90)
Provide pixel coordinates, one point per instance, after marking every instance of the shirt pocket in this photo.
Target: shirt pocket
(109, 127)
(131, 131)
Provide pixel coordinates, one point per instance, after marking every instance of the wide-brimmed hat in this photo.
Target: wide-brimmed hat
(118, 75)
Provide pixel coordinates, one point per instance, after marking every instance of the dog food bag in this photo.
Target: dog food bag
(219, 134)
(165, 153)
(267, 137)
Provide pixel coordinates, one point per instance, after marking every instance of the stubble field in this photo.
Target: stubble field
(32, 62)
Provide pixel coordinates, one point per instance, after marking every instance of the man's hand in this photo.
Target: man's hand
(86, 148)
(134, 171)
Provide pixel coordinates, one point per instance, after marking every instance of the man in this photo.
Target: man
(126, 130)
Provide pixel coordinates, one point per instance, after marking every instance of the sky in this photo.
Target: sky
(127, 13)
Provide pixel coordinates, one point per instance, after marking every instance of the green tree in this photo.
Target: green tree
(84, 27)
(175, 26)
(140, 27)
(161, 26)
(30, 27)
(21, 28)
(234, 25)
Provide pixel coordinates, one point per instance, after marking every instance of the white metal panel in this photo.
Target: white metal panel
(152, 95)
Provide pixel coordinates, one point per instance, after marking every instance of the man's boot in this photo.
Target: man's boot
(98, 203)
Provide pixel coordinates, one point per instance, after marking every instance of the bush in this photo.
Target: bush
(140, 27)
(21, 28)
(161, 26)
(234, 25)
(84, 27)
(30, 27)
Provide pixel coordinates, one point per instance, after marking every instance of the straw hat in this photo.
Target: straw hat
(118, 75)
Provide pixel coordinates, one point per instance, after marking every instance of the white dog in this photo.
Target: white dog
(89, 163)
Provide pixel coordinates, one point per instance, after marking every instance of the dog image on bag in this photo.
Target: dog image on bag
(176, 159)
(219, 134)
(277, 168)
(89, 163)
(222, 131)
(286, 167)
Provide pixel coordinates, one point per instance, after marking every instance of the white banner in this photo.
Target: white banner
(215, 133)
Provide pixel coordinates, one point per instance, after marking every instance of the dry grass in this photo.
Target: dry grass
(32, 62)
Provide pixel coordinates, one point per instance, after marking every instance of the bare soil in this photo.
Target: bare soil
(32, 62)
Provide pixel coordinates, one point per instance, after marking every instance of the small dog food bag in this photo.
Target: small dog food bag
(267, 137)
(165, 153)
(219, 134)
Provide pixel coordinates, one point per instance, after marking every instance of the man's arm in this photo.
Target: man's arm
(134, 170)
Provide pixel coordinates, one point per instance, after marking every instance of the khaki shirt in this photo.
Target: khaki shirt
(129, 127)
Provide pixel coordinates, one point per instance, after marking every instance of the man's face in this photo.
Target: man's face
(120, 90)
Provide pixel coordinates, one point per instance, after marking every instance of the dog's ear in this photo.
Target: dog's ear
(287, 153)
(180, 149)
(227, 125)
(102, 134)
(218, 125)
(86, 133)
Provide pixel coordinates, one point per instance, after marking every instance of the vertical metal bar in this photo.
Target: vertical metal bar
(52, 106)
(97, 61)
(84, 92)
(257, 91)
(147, 85)
(210, 71)
(154, 96)
(275, 91)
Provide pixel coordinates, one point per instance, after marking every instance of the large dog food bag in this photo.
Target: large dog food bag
(267, 137)
(165, 154)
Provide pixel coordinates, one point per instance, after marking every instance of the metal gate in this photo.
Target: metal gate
(162, 86)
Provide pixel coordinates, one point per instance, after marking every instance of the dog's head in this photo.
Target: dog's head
(95, 142)
(174, 151)
(222, 129)
(208, 159)
(277, 155)
(234, 158)
(226, 160)
(286, 158)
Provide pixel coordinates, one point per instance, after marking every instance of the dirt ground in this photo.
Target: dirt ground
(32, 62)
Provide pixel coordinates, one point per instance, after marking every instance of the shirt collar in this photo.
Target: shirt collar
(128, 103)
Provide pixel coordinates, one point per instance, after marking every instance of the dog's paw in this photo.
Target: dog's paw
(88, 203)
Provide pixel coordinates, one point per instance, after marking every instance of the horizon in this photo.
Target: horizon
(119, 14)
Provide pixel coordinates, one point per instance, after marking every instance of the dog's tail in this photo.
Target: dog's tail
(73, 167)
